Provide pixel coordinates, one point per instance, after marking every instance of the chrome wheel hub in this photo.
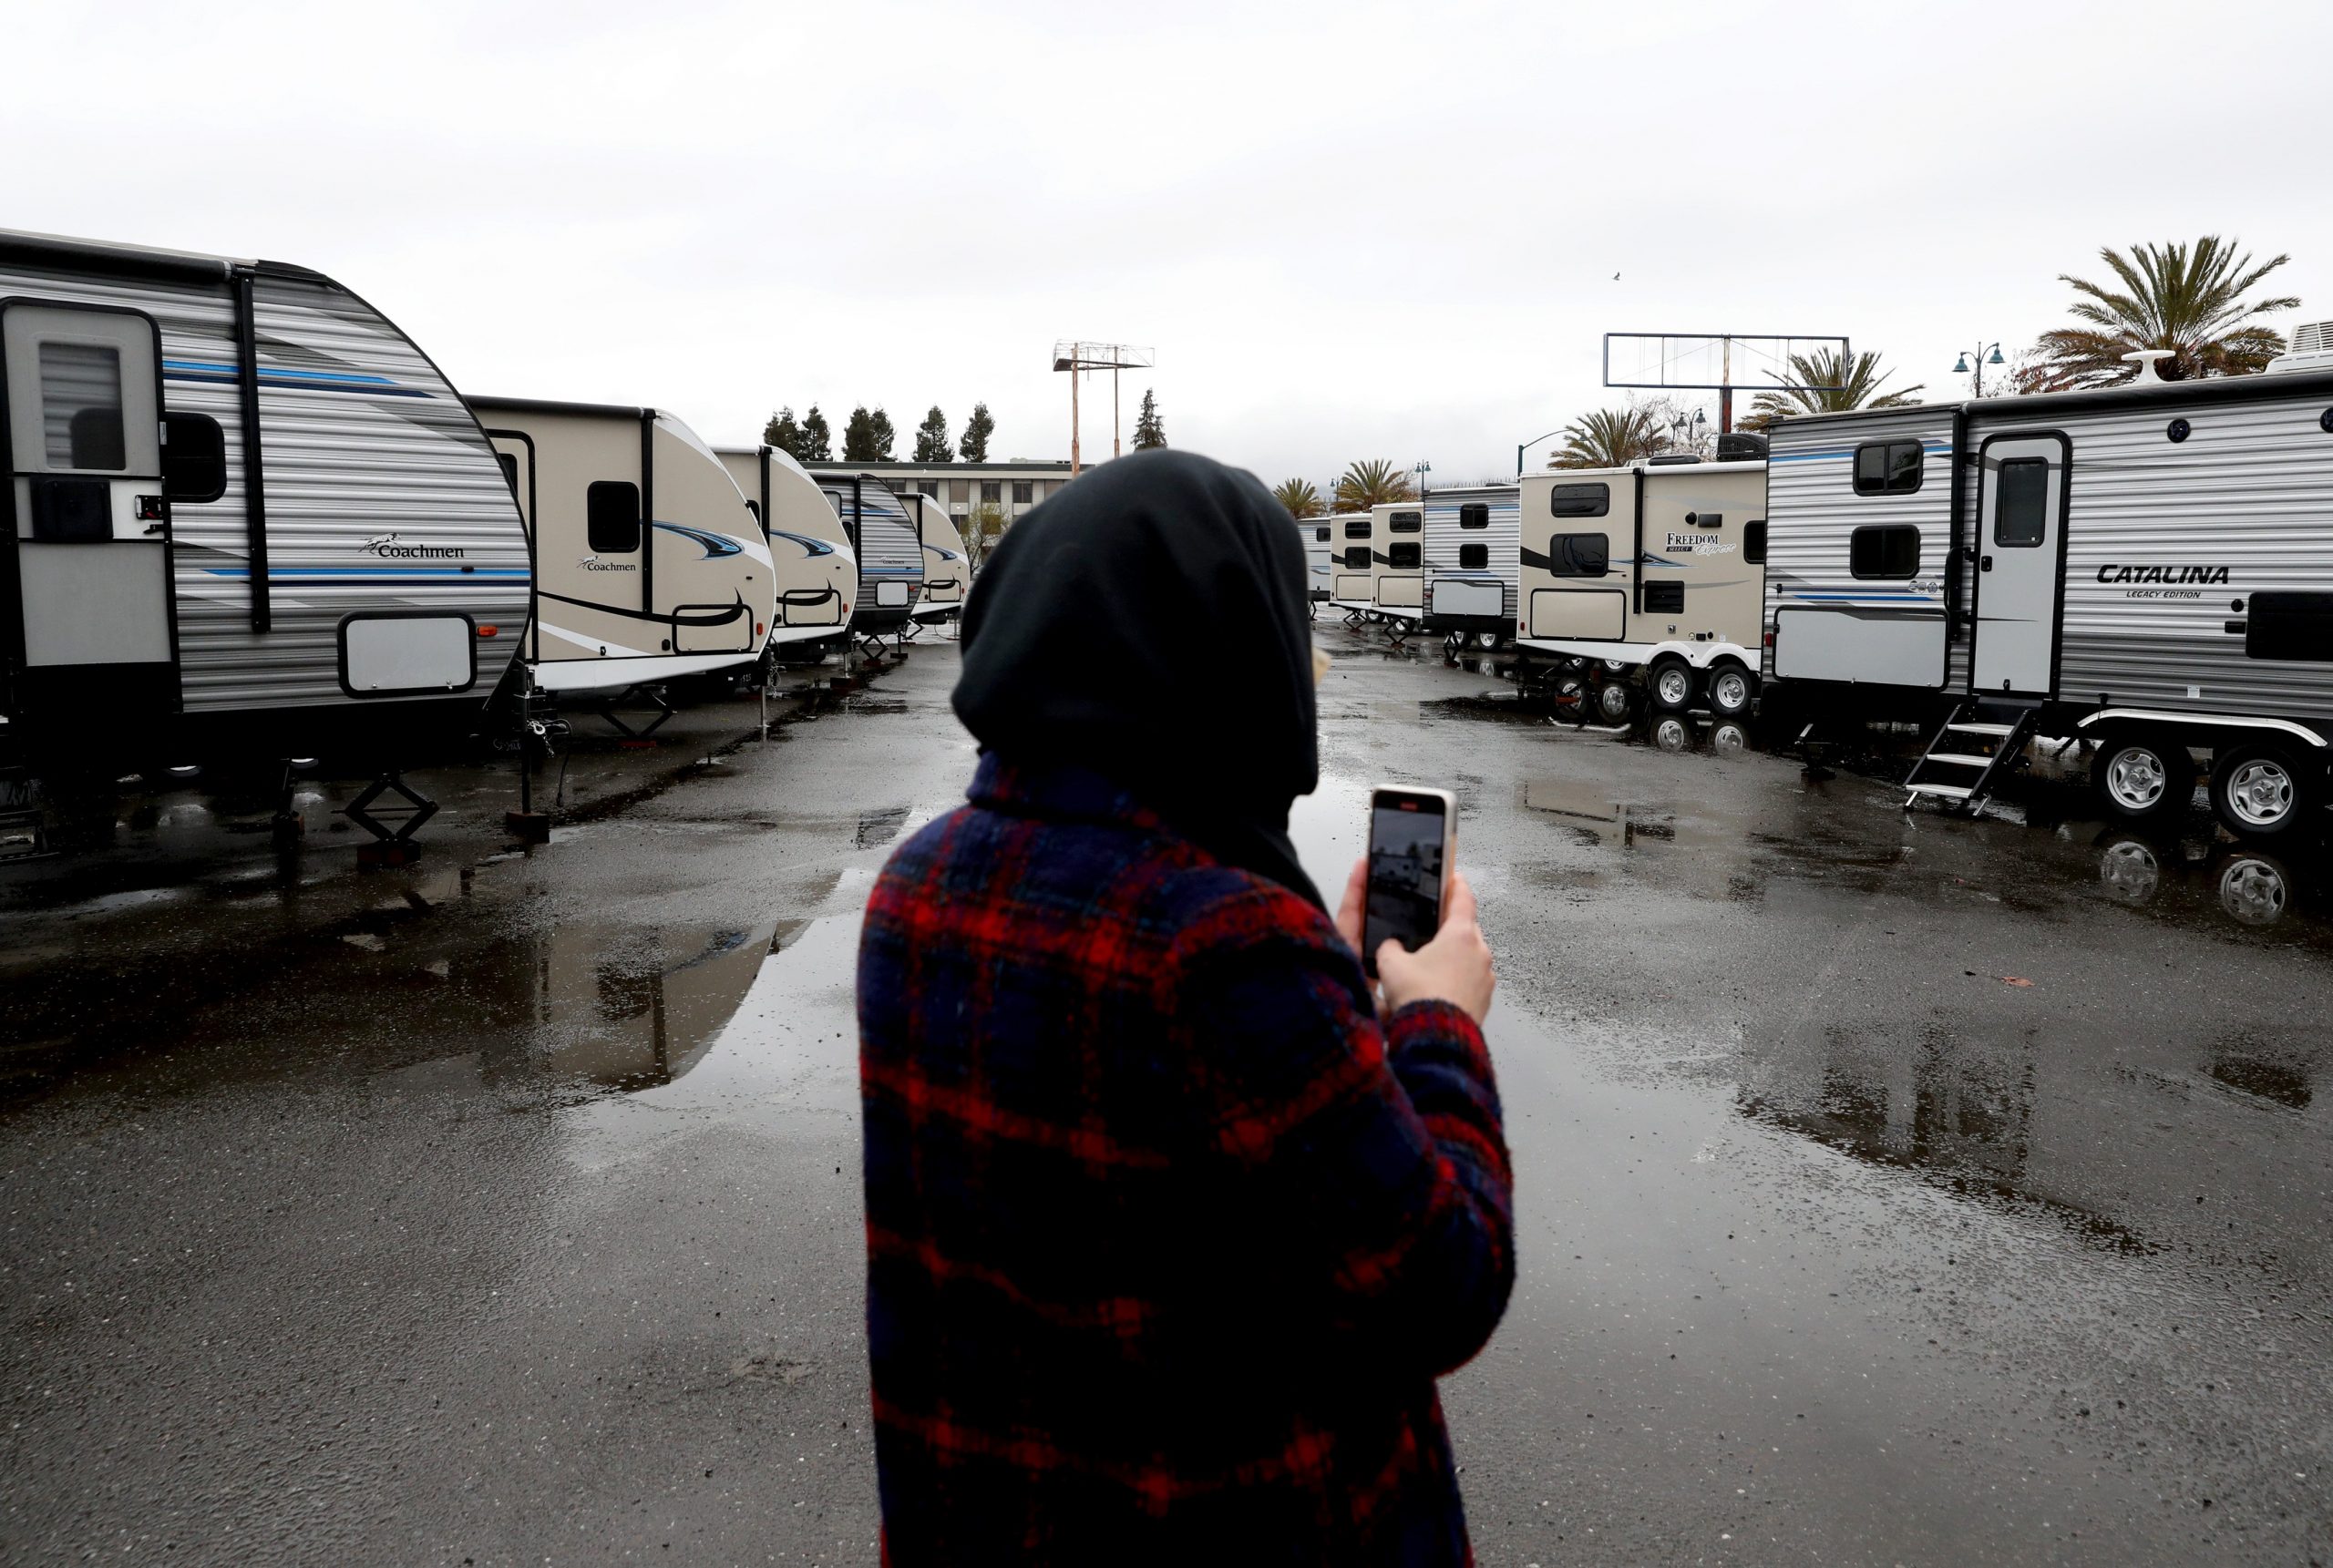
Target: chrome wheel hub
(1674, 687)
(2137, 779)
(2260, 793)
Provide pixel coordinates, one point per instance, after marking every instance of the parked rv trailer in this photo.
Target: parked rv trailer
(648, 566)
(1397, 561)
(945, 570)
(1316, 536)
(1353, 537)
(245, 514)
(2147, 567)
(1653, 574)
(814, 568)
(890, 550)
(1473, 562)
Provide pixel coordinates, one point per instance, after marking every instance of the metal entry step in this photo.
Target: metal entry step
(1974, 773)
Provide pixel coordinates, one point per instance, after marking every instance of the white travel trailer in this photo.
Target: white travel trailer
(1474, 562)
(1653, 574)
(648, 566)
(1397, 562)
(1316, 535)
(1353, 533)
(889, 546)
(814, 567)
(946, 570)
(244, 515)
(2147, 567)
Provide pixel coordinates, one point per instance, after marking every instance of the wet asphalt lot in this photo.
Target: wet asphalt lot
(1892, 1190)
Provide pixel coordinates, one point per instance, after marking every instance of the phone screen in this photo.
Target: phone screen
(1405, 838)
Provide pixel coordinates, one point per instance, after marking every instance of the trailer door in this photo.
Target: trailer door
(2021, 556)
(87, 507)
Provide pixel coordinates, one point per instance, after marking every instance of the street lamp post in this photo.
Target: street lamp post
(1526, 446)
(1422, 468)
(1961, 366)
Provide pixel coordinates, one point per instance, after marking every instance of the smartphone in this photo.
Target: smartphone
(1412, 836)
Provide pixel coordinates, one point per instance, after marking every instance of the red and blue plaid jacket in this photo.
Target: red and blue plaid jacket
(1167, 1239)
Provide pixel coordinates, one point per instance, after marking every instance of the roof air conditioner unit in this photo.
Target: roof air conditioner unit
(2312, 349)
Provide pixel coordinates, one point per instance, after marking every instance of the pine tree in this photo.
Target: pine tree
(815, 436)
(782, 432)
(931, 438)
(977, 430)
(1150, 430)
(885, 436)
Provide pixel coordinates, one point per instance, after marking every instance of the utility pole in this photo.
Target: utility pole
(1077, 358)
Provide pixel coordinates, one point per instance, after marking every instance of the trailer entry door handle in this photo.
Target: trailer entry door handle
(2235, 629)
(1984, 563)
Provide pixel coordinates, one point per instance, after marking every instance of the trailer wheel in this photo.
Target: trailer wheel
(2140, 778)
(1732, 691)
(2259, 790)
(1614, 701)
(1487, 641)
(1672, 686)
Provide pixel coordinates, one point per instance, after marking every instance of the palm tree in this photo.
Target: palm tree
(2187, 299)
(1828, 383)
(1609, 438)
(1298, 496)
(1365, 485)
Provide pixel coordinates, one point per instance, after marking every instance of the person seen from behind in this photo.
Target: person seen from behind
(1171, 1223)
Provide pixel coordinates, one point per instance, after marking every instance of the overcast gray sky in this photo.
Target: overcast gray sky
(1350, 231)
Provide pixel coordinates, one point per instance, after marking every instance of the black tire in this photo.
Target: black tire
(2262, 791)
(1673, 686)
(1616, 703)
(1732, 691)
(2143, 778)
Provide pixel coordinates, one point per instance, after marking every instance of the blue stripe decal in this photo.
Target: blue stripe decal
(714, 545)
(815, 547)
(1915, 598)
(383, 574)
(211, 373)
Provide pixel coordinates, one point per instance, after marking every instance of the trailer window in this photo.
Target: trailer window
(2021, 503)
(1579, 555)
(1357, 530)
(1357, 557)
(1753, 542)
(1474, 515)
(611, 516)
(1889, 468)
(2290, 625)
(1404, 556)
(1580, 500)
(1320, 534)
(1404, 522)
(1887, 550)
(194, 457)
(80, 405)
(1474, 558)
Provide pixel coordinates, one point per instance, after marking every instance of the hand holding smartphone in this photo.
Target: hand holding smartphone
(1412, 845)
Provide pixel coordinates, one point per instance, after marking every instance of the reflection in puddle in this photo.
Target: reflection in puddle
(628, 1016)
(876, 828)
(1594, 817)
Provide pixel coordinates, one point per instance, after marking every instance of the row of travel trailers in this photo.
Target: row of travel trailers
(2147, 569)
(245, 514)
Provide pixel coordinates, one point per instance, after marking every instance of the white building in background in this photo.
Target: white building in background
(962, 487)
